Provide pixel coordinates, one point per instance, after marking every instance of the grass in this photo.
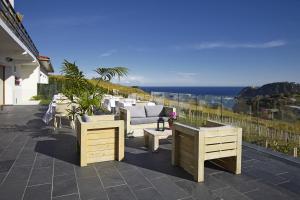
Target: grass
(43, 100)
(105, 85)
(124, 90)
(277, 124)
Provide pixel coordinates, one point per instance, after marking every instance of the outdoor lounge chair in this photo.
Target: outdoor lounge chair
(139, 117)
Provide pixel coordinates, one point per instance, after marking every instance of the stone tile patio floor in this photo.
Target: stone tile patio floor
(39, 163)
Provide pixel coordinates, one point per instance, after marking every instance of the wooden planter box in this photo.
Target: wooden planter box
(217, 142)
(100, 139)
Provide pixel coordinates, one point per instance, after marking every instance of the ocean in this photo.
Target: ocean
(213, 91)
(203, 95)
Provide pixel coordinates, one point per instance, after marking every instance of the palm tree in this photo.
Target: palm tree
(108, 73)
(75, 80)
(88, 96)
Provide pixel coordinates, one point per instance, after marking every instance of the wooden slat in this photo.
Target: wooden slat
(220, 133)
(100, 153)
(220, 147)
(186, 140)
(102, 131)
(101, 141)
(101, 136)
(219, 154)
(100, 159)
(100, 147)
(187, 148)
(216, 140)
(95, 118)
(186, 155)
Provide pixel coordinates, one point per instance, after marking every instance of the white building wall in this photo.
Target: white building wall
(29, 76)
(9, 85)
(9, 81)
(21, 94)
(43, 79)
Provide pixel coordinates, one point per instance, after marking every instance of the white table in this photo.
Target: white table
(152, 137)
(115, 102)
(110, 103)
(127, 100)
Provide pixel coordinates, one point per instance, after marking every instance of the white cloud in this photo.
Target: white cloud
(214, 45)
(108, 53)
(133, 80)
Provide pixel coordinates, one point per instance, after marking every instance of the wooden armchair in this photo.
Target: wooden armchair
(100, 138)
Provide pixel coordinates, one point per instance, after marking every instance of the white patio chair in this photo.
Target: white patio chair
(60, 111)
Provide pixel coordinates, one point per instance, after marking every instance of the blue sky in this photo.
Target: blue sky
(172, 43)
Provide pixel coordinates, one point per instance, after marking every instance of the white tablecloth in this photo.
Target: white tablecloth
(109, 104)
(113, 102)
(150, 104)
(128, 101)
(123, 104)
(48, 116)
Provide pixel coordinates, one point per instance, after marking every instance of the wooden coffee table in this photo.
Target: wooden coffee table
(152, 137)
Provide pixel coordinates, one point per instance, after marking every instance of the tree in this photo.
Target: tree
(75, 82)
(89, 100)
(80, 91)
(108, 73)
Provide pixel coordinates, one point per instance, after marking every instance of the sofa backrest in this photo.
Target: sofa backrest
(136, 111)
(146, 111)
(154, 111)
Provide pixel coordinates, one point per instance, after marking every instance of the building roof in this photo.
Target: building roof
(45, 62)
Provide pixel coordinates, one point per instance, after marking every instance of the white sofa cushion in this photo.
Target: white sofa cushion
(136, 111)
(154, 111)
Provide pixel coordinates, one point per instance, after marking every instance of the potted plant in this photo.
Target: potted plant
(172, 118)
(85, 96)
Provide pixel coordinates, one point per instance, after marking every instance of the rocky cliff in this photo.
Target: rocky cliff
(272, 89)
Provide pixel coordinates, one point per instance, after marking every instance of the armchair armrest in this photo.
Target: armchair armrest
(95, 118)
(125, 115)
